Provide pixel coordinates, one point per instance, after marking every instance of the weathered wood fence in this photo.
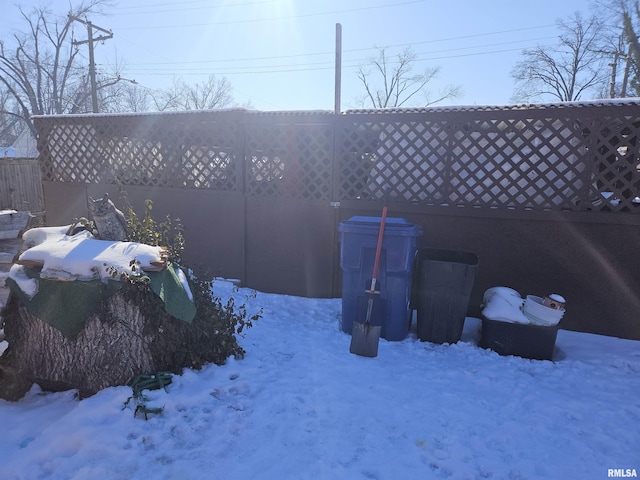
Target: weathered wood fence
(545, 195)
(21, 185)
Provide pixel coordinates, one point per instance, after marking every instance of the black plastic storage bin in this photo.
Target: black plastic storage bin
(442, 293)
(536, 342)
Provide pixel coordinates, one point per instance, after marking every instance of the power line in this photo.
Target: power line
(235, 67)
(297, 67)
(328, 62)
(278, 57)
(151, 8)
(158, 72)
(271, 19)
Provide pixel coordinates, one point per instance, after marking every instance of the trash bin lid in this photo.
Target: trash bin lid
(393, 226)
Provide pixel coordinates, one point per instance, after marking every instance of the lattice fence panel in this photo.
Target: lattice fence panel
(290, 160)
(518, 162)
(172, 150)
(134, 161)
(615, 173)
(209, 157)
(582, 158)
(68, 152)
(404, 159)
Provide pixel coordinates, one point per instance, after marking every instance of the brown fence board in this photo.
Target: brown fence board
(290, 249)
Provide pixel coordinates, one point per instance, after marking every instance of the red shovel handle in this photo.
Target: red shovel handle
(376, 263)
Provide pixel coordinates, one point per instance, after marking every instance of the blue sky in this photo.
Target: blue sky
(279, 54)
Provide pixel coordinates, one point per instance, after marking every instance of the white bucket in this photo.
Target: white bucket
(540, 314)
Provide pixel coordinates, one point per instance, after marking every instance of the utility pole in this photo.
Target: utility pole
(612, 84)
(92, 65)
(614, 68)
(627, 66)
(338, 79)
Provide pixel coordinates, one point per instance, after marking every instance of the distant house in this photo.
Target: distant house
(7, 152)
(25, 145)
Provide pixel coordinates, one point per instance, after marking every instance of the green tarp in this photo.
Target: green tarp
(169, 288)
(66, 305)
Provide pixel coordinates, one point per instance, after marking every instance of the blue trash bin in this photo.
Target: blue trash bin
(358, 242)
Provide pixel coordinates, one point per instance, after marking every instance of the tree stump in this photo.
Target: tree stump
(130, 335)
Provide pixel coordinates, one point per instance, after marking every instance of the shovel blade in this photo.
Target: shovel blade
(365, 334)
(364, 339)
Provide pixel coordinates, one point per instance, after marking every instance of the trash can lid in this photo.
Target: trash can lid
(393, 226)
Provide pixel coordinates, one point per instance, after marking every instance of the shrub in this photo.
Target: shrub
(169, 233)
(219, 322)
(216, 324)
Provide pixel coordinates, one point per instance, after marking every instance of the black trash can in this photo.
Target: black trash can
(442, 293)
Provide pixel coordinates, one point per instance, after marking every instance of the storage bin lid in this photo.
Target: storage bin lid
(368, 225)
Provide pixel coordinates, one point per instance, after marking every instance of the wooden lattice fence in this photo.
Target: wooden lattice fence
(573, 157)
(577, 158)
(262, 193)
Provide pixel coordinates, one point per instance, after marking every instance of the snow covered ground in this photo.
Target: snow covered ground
(300, 406)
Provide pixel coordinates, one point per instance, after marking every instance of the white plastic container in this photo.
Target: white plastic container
(539, 314)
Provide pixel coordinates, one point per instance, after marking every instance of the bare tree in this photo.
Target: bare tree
(125, 96)
(206, 95)
(630, 20)
(9, 120)
(568, 71)
(40, 68)
(392, 83)
(621, 20)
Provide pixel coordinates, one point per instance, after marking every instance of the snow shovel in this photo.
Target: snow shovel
(365, 336)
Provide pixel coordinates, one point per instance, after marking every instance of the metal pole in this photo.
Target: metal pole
(338, 68)
(627, 66)
(92, 70)
(92, 63)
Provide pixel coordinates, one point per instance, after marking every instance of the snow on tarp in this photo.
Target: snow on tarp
(82, 257)
(28, 285)
(36, 236)
(65, 268)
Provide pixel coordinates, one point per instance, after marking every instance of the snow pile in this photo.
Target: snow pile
(37, 236)
(300, 406)
(82, 257)
(505, 304)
